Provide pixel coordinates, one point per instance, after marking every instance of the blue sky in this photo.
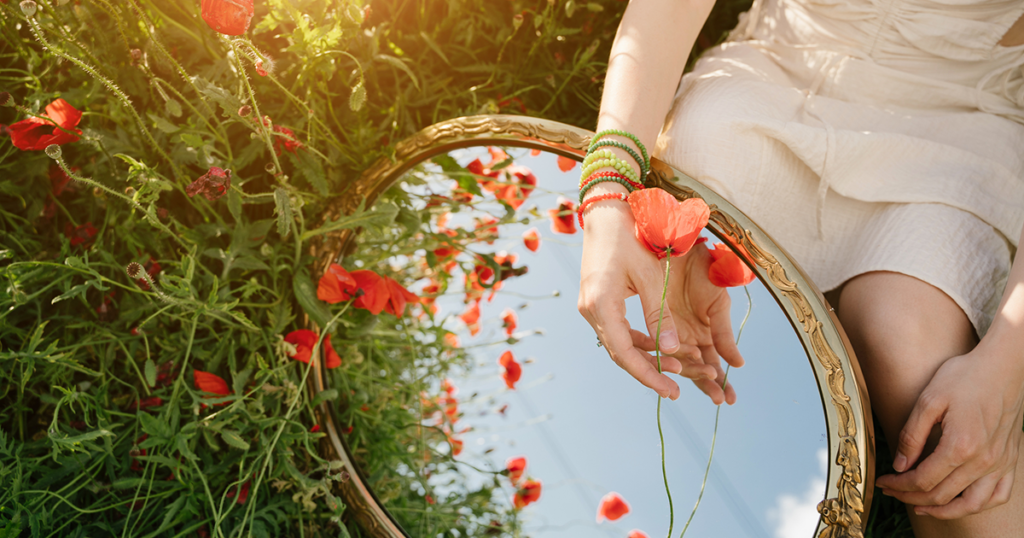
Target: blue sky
(587, 427)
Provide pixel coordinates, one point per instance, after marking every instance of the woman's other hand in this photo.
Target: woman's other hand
(696, 330)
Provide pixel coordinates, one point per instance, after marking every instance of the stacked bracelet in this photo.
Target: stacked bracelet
(599, 198)
(646, 159)
(644, 164)
(602, 177)
(604, 158)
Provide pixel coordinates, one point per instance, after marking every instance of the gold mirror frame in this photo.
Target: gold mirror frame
(851, 473)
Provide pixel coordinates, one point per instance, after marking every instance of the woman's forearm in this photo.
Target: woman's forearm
(1006, 336)
(647, 59)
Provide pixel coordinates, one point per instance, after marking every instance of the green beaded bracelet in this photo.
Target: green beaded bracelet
(605, 158)
(630, 136)
(588, 186)
(625, 147)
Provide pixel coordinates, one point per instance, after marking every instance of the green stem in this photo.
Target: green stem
(714, 435)
(657, 355)
(267, 137)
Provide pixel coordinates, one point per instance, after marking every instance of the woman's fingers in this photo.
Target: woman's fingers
(721, 331)
(711, 357)
(657, 315)
(988, 492)
(669, 363)
(607, 316)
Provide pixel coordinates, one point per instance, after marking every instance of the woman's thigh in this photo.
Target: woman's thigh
(902, 329)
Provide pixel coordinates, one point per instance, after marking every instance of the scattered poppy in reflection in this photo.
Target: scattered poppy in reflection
(443, 219)
(510, 320)
(429, 499)
(664, 224)
(211, 383)
(565, 164)
(398, 297)
(336, 286)
(229, 17)
(471, 317)
(486, 229)
(531, 238)
(243, 493)
(81, 235)
(562, 219)
(612, 507)
(503, 409)
(528, 492)
(519, 183)
(534, 152)
(35, 134)
(315, 428)
(515, 468)
(636, 533)
(513, 370)
(727, 269)
(449, 388)
(456, 445)
(212, 185)
(447, 249)
(452, 340)
(375, 291)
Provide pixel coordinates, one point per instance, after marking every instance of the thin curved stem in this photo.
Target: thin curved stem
(657, 354)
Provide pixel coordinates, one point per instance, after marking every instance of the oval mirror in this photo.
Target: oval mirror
(485, 407)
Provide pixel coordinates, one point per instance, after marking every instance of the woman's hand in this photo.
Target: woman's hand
(979, 405)
(696, 330)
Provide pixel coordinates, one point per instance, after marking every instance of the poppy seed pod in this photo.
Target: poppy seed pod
(229, 17)
(28, 7)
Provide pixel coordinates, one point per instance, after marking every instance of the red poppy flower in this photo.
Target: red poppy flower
(471, 315)
(146, 403)
(35, 134)
(565, 164)
(528, 492)
(636, 533)
(456, 445)
(486, 229)
(375, 291)
(612, 507)
(563, 219)
(516, 100)
(452, 340)
(727, 269)
(531, 238)
(212, 185)
(336, 286)
(519, 183)
(229, 17)
(332, 360)
(303, 340)
(288, 142)
(211, 383)
(429, 499)
(443, 219)
(477, 168)
(447, 248)
(510, 320)
(451, 407)
(513, 370)
(243, 493)
(515, 468)
(81, 235)
(534, 152)
(398, 297)
(664, 224)
(315, 428)
(449, 388)
(152, 269)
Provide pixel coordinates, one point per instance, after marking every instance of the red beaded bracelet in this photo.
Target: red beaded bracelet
(599, 198)
(592, 177)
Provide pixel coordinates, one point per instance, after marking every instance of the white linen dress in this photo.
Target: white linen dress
(868, 135)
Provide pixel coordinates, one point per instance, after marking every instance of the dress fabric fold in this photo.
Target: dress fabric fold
(868, 135)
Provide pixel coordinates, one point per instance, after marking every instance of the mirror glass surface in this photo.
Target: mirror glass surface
(585, 427)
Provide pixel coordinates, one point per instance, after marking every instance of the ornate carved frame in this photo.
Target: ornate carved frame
(840, 382)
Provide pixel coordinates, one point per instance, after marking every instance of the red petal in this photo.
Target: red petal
(333, 360)
(375, 291)
(303, 340)
(212, 383)
(229, 17)
(636, 533)
(471, 315)
(65, 115)
(563, 219)
(513, 370)
(528, 493)
(664, 224)
(510, 320)
(336, 286)
(515, 468)
(612, 507)
(398, 296)
(727, 269)
(565, 164)
(531, 239)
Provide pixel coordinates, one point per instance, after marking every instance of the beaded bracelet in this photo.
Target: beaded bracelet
(631, 185)
(631, 136)
(603, 158)
(644, 165)
(586, 188)
(599, 198)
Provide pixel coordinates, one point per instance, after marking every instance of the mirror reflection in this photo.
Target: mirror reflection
(510, 378)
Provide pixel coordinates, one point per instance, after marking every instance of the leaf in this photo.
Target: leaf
(173, 108)
(240, 318)
(312, 170)
(150, 371)
(192, 140)
(249, 263)
(235, 205)
(381, 215)
(305, 293)
(219, 95)
(154, 426)
(284, 211)
(163, 124)
(395, 62)
(232, 438)
(433, 46)
(358, 96)
(171, 512)
(329, 394)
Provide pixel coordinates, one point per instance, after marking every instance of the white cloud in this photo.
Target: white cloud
(797, 516)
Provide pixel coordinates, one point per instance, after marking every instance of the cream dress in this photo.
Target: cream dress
(868, 135)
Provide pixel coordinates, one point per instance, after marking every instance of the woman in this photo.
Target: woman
(882, 145)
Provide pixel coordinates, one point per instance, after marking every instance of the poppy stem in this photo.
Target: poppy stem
(657, 355)
(718, 412)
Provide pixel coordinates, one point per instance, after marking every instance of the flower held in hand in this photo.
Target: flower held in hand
(727, 269)
(665, 225)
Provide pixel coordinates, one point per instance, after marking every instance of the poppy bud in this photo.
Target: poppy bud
(28, 7)
(62, 2)
(129, 191)
(53, 151)
(245, 110)
(136, 54)
(270, 168)
(133, 270)
(517, 21)
(6, 99)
